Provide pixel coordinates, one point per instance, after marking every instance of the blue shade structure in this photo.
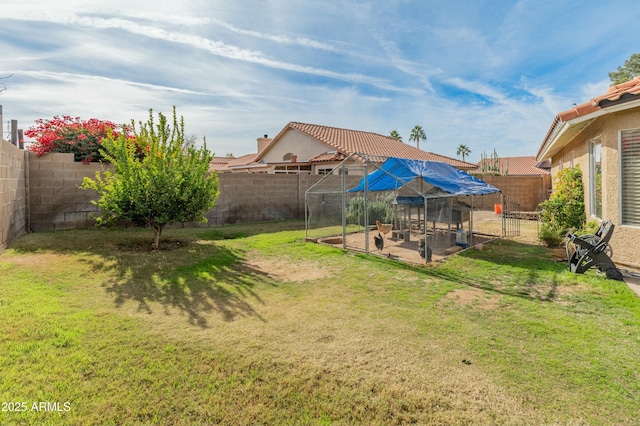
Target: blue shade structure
(397, 172)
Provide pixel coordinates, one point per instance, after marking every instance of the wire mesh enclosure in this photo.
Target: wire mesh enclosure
(393, 210)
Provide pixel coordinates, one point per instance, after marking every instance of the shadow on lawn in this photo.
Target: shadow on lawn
(199, 280)
(530, 271)
(505, 267)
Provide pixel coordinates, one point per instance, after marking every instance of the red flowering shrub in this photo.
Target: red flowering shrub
(72, 135)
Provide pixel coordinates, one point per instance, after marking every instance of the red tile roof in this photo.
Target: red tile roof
(375, 146)
(327, 156)
(578, 111)
(520, 166)
(240, 161)
(615, 94)
(219, 163)
(631, 87)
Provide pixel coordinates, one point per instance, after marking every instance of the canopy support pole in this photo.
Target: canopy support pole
(366, 211)
(426, 245)
(344, 208)
(471, 223)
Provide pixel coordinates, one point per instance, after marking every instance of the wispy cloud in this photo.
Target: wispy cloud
(474, 72)
(214, 47)
(278, 38)
(479, 88)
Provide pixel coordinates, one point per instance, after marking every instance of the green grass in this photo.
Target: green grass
(248, 324)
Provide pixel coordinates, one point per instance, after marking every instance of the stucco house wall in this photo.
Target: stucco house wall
(626, 239)
(296, 143)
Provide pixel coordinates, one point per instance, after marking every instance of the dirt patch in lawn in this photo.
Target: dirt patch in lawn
(283, 269)
(474, 296)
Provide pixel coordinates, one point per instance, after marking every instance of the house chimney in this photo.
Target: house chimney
(263, 142)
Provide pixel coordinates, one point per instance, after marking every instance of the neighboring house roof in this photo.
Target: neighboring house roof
(244, 160)
(327, 157)
(346, 142)
(522, 166)
(567, 124)
(219, 163)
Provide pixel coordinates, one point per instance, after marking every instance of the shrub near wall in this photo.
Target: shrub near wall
(58, 202)
(13, 212)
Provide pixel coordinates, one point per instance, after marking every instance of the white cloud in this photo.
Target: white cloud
(278, 38)
(214, 47)
(238, 70)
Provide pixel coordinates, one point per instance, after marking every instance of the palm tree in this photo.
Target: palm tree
(395, 135)
(417, 134)
(463, 150)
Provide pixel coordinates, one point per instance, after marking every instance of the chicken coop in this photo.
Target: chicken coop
(410, 210)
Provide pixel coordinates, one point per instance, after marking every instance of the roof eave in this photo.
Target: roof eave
(557, 141)
(249, 166)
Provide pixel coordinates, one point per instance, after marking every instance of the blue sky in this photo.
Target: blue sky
(490, 74)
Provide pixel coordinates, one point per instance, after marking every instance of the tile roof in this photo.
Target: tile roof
(521, 166)
(240, 161)
(218, 163)
(327, 156)
(346, 142)
(631, 87)
(562, 128)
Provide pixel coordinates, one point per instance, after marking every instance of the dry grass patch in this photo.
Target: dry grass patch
(286, 270)
(474, 297)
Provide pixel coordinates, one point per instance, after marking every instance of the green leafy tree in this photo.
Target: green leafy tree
(395, 135)
(418, 134)
(463, 150)
(166, 184)
(564, 210)
(630, 70)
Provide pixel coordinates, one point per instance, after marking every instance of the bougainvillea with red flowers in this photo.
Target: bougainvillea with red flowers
(72, 135)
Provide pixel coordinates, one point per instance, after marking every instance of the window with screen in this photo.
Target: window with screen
(630, 176)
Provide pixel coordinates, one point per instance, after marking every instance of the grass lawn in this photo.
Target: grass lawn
(248, 324)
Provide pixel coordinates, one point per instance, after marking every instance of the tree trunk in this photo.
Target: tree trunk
(156, 240)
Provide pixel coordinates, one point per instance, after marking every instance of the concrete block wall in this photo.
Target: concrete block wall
(259, 198)
(528, 191)
(13, 204)
(56, 199)
(58, 202)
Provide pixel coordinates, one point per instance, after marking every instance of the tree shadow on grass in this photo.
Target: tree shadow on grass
(199, 280)
(505, 267)
(529, 271)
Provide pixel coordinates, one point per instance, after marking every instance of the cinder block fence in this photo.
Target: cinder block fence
(44, 194)
(13, 184)
(57, 201)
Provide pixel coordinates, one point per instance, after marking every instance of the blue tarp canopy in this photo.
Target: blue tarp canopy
(397, 172)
